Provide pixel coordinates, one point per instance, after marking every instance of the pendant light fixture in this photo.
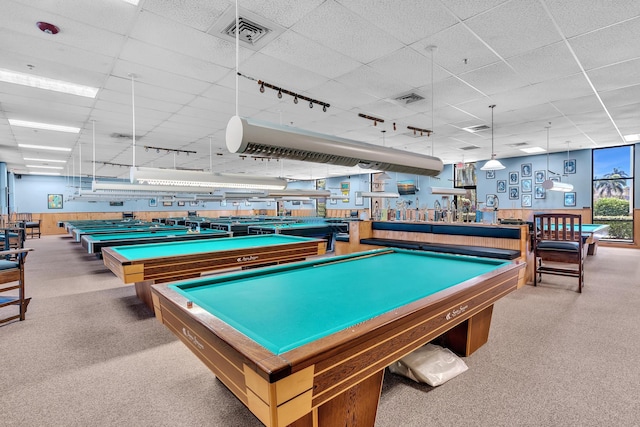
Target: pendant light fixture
(493, 164)
(548, 184)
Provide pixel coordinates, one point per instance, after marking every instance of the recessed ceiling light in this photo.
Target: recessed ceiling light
(43, 147)
(532, 150)
(632, 138)
(45, 126)
(31, 159)
(47, 83)
(45, 167)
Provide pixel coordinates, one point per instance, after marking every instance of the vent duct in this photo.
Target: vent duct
(253, 137)
(250, 32)
(469, 148)
(409, 98)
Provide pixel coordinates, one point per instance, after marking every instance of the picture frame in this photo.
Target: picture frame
(153, 202)
(526, 200)
(514, 178)
(491, 201)
(570, 166)
(540, 176)
(525, 170)
(167, 203)
(540, 192)
(491, 174)
(54, 201)
(116, 203)
(514, 193)
(527, 186)
(193, 203)
(501, 186)
(570, 198)
(181, 203)
(554, 178)
(333, 202)
(223, 203)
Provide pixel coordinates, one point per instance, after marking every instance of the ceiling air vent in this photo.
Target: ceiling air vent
(250, 32)
(254, 31)
(409, 98)
(478, 128)
(518, 144)
(469, 148)
(123, 136)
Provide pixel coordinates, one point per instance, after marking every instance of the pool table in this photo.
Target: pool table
(592, 233)
(152, 263)
(315, 351)
(78, 232)
(95, 242)
(321, 230)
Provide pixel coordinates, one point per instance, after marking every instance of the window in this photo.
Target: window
(613, 191)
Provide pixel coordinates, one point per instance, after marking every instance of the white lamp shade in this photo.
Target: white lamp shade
(448, 191)
(492, 165)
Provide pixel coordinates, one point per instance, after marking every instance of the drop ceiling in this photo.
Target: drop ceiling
(572, 63)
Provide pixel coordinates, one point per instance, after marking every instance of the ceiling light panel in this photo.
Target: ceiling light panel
(533, 150)
(31, 159)
(39, 82)
(43, 147)
(44, 126)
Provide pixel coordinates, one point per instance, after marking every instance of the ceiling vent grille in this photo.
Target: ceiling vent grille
(122, 136)
(518, 144)
(469, 148)
(478, 128)
(250, 32)
(409, 98)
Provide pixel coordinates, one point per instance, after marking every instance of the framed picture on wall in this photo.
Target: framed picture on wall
(526, 186)
(570, 198)
(153, 202)
(492, 201)
(333, 201)
(501, 186)
(526, 200)
(514, 193)
(180, 203)
(491, 174)
(525, 169)
(54, 201)
(540, 176)
(570, 166)
(167, 203)
(554, 178)
(540, 192)
(513, 178)
(193, 203)
(223, 203)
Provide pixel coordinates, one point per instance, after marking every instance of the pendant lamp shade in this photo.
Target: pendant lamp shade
(493, 164)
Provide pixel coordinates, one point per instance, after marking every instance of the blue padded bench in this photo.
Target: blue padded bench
(342, 237)
(478, 251)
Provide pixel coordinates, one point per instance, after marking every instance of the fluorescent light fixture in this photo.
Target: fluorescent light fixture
(533, 150)
(259, 138)
(45, 126)
(448, 191)
(382, 194)
(133, 2)
(43, 173)
(241, 195)
(146, 188)
(47, 83)
(321, 194)
(31, 159)
(557, 186)
(45, 167)
(182, 178)
(43, 147)
(632, 138)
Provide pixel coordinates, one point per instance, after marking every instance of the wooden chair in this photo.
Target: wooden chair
(558, 246)
(12, 280)
(31, 226)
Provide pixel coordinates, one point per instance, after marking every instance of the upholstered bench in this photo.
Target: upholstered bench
(478, 251)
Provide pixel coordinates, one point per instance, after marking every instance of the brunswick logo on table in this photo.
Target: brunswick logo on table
(192, 338)
(455, 312)
(247, 258)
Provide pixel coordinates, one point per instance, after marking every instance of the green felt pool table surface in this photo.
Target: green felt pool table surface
(146, 234)
(299, 305)
(171, 249)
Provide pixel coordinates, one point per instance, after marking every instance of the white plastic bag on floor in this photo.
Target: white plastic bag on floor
(430, 364)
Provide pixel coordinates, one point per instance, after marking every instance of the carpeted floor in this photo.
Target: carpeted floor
(91, 354)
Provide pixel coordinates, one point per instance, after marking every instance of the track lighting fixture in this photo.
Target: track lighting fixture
(281, 91)
(168, 150)
(394, 126)
(374, 119)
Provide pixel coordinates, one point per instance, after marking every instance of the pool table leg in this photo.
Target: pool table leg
(355, 407)
(470, 335)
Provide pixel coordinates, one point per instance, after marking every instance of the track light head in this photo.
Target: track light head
(324, 108)
(262, 88)
(310, 104)
(295, 99)
(279, 93)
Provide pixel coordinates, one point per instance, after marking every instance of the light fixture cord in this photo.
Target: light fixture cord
(548, 147)
(93, 122)
(133, 114)
(433, 140)
(237, 55)
(210, 156)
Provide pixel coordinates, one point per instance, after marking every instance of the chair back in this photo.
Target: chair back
(558, 227)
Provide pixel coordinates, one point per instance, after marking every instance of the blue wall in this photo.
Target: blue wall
(31, 191)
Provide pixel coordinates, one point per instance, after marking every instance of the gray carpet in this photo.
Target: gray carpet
(91, 354)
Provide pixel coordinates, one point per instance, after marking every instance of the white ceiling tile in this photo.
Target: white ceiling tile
(545, 63)
(582, 16)
(338, 28)
(465, 9)
(198, 14)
